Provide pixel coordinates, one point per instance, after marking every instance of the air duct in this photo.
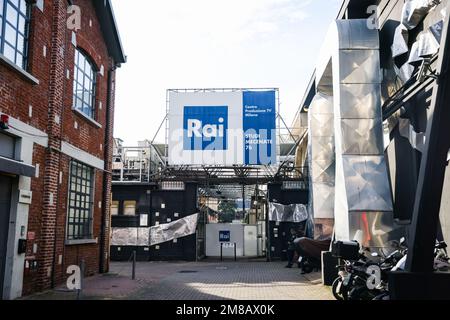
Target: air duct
(321, 156)
(349, 70)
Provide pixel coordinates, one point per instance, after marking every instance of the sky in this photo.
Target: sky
(176, 44)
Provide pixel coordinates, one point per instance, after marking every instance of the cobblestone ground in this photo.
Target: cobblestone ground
(201, 281)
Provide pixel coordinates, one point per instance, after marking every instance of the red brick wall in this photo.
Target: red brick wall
(53, 97)
(30, 282)
(52, 163)
(73, 255)
(90, 40)
(16, 93)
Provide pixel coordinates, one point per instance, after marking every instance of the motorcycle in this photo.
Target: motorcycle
(367, 277)
(441, 259)
(352, 278)
(441, 263)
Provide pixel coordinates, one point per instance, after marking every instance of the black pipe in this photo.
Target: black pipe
(106, 147)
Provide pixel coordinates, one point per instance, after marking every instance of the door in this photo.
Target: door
(5, 205)
(251, 241)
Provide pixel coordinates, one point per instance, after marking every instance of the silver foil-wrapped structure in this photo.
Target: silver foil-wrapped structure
(130, 236)
(321, 156)
(143, 237)
(292, 213)
(415, 10)
(173, 230)
(400, 44)
(350, 63)
(416, 139)
(288, 213)
(405, 72)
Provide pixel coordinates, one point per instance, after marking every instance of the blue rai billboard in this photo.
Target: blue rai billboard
(223, 128)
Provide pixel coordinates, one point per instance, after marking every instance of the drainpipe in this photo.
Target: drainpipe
(107, 174)
(58, 139)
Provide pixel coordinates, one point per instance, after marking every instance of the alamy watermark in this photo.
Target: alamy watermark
(74, 279)
(373, 21)
(74, 18)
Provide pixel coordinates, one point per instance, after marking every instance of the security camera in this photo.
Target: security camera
(425, 70)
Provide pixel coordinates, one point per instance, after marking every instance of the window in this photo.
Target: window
(84, 85)
(172, 185)
(7, 146)
(14, 24)
(115, 208)
(129, 208)
(81, 201)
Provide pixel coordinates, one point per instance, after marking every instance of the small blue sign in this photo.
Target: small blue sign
(205, 128)
(224, 236)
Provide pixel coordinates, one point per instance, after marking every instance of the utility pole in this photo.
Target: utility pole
(243, 200)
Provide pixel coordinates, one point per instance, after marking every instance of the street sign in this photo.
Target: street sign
(224, 236)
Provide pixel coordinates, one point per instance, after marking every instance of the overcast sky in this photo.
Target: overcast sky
(213, 44)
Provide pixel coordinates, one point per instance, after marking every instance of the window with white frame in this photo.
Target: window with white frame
(115, 208)
(80, 208)
(129, 208)
(14, 29)
(84, 84)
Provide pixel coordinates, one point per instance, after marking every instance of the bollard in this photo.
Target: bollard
(133, 273)
(221, 251)
(235, 256)
(82, 270)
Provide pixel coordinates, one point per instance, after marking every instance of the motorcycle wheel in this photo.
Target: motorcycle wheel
(339, 291)
(383, 296)
(361, 293)
(307, 269)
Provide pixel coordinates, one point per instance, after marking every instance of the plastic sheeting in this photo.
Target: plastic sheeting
(292, 213)
(400, 45)
(174, 230)
(130, 237)
(287, 213)
(425, 46)
(427, 42)
(405, 72)
(415, 10)
(428, 45)
(154, 235)
(417, 140)
(436, 30)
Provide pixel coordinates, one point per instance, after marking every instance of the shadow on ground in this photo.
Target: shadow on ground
(209, 280)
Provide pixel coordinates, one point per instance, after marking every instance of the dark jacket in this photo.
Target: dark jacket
(291, 245)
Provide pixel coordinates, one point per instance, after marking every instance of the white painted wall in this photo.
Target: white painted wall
(213, 244)
(18, 226)
(27, 136)
(82, 156)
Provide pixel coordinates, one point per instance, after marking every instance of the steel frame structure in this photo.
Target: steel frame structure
(240, 174)
(420, 281)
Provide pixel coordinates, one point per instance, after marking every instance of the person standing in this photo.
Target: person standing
(291, 250)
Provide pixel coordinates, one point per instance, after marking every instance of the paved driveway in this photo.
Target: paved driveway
(201, 281)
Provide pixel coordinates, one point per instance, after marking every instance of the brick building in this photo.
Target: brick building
(57, 78)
